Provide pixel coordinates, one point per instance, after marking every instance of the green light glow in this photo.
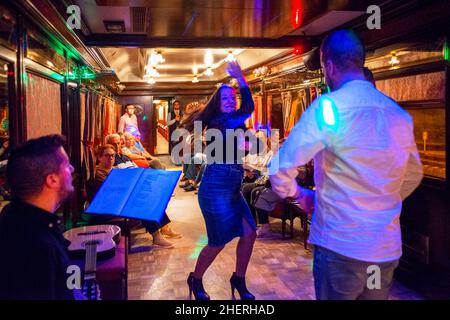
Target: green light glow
(328, 115)
(201, 243)
(82, 72)
(446, 50)
(57, 76)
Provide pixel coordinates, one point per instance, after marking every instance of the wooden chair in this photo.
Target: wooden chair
(283, 211)
(279, 212)
(294, 211)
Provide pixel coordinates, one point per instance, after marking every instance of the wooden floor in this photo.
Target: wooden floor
(279, 269)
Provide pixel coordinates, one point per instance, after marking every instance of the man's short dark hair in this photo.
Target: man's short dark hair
(344, 49)
(369, 75)
(31, 162)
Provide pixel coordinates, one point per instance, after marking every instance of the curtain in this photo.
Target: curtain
(99, 117)
(43, 107)
(258, 114)
(286, 98)
(269, 111)
(82, 123)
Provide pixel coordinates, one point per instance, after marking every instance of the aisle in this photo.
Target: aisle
(162, 145)
(279, 269)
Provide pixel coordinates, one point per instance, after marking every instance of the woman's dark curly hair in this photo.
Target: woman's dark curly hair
(210, 111)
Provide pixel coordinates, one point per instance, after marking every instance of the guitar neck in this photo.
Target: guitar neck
(91, 260)
(90, 287)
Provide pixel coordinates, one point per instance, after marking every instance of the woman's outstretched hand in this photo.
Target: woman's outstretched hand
(235, 71)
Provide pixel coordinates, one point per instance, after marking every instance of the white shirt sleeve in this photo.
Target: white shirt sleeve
(414, 170)
(304, 142)
(170, 121)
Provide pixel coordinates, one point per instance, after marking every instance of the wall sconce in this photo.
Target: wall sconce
(262, 72)
(195, 71)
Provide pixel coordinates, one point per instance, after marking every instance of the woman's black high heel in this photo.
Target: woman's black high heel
(238, 283)
(196, 286)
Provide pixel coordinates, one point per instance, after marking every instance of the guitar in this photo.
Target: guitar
(92, 240)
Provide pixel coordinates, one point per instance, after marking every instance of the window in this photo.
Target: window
(429, 132)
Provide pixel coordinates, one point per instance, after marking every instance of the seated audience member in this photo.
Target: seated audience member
(137, 142)
(131, 151)
(255, 178)
(264, 199)
(34, 261)
(120, 160)
(188, 144)
(194, 172)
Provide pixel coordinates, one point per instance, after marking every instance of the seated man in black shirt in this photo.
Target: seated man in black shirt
(33, 253)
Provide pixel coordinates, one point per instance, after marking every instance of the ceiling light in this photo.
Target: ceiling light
(195, 80)
(159, 57)
(152, 72)
(151, 81)
(208, 72)
(152, 60)
(209, 59)
(230, 57)
(195, 69)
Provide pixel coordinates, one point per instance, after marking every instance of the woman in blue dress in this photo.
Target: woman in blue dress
(224, 209)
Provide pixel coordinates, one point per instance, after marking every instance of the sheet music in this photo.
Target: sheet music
(151, 195)
(114, 192)
(135, 193)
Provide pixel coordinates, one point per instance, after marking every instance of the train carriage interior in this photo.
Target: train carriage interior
(74, 67)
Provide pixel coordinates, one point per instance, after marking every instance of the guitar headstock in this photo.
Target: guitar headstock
(91, 289)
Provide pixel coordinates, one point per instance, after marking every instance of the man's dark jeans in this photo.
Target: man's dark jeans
(337, 277)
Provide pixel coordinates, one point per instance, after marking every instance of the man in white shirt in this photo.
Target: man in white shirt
(366, 162)
(128, 122)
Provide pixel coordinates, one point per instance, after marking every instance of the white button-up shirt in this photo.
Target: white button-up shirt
(366, 162)
(126, 121)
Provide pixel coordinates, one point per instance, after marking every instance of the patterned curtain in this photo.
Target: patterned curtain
(43, 107)
(286, 98)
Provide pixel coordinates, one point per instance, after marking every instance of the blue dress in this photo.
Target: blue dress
(221, 201)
